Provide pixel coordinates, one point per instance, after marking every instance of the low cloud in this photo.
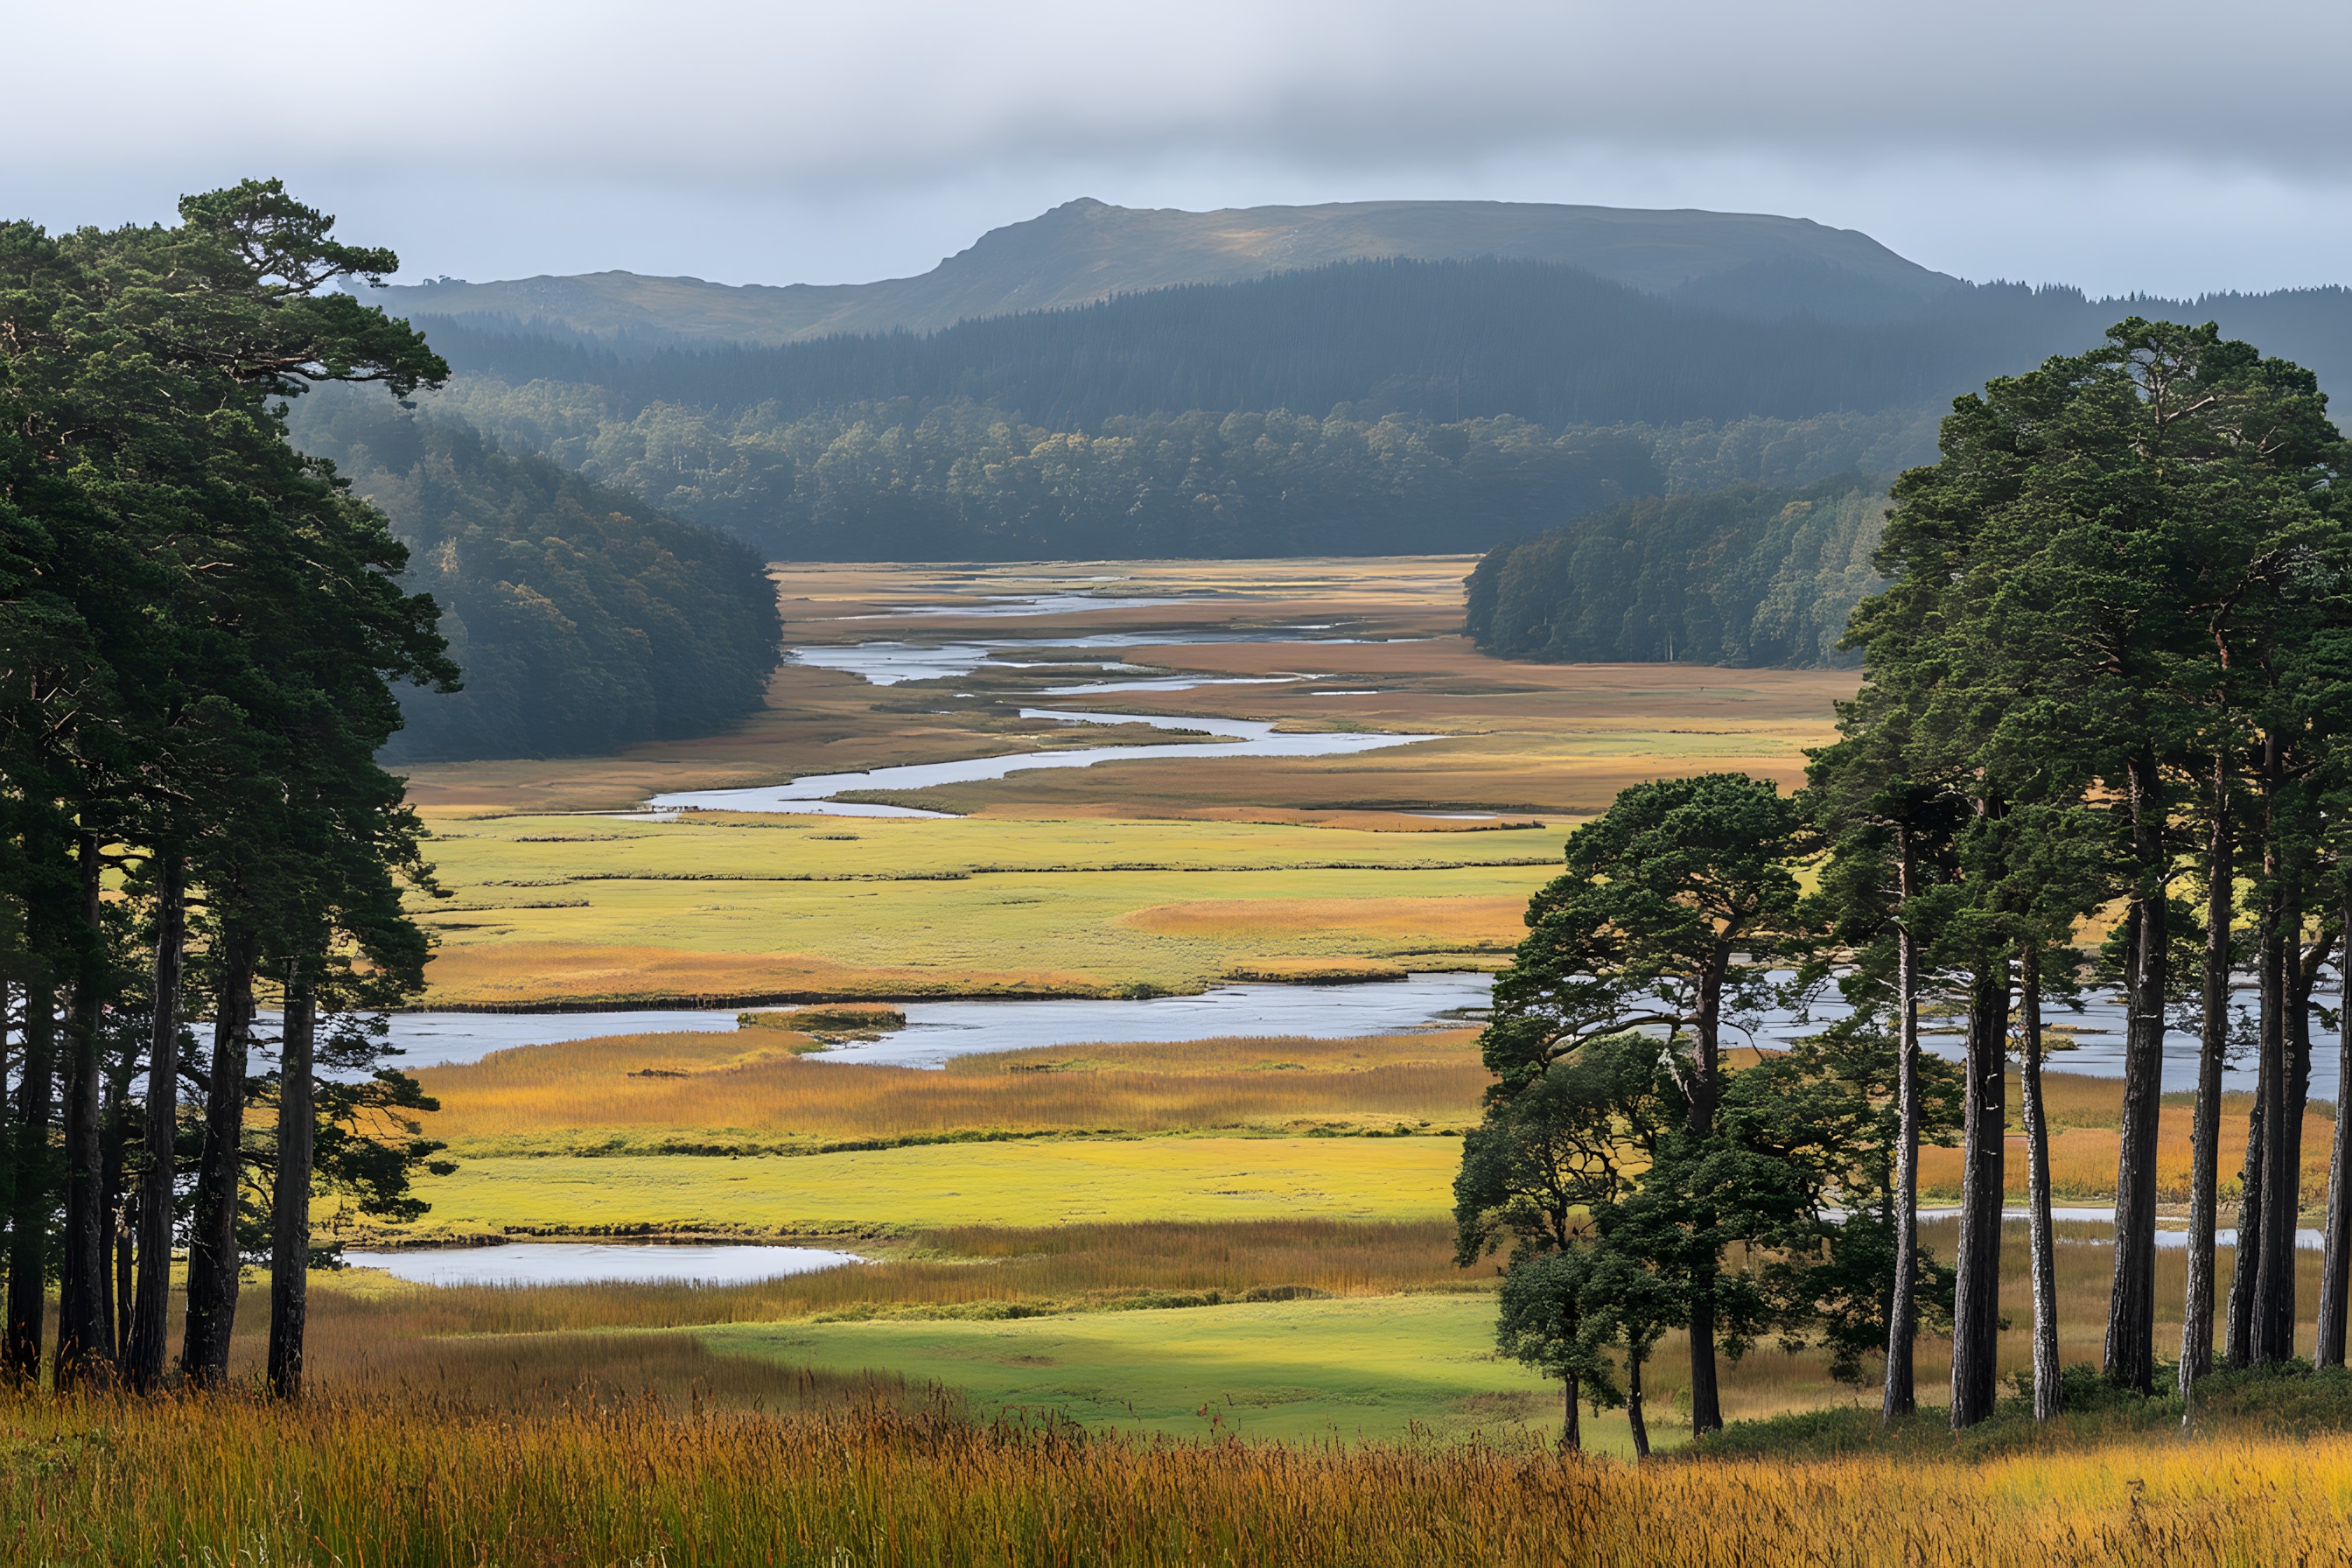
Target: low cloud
(816, 114)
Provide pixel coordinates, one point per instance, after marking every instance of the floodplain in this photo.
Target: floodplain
(1162, 1244)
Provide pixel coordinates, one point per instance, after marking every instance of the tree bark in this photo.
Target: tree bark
(1975, 1310)
(2213, 1045)
(143, 1361)
(2046, 1383)
(1901, 1395)
(1571, 1426)
(2336, 1265)
(2301, 966)
(29, 1222)
(213, 1258)
(289, 1252)
(1636, 1417)
(2279, 1184)
(2131, 1303)
(1707, 1399)
(113, 1134)
(84, 1346)
(2238, 1329)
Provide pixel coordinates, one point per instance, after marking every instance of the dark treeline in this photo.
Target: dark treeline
(1376, 406)
(2110, 669)
(583, 619)
(1433, 340)
(1745, 575)
(961, 480)
(200, 631)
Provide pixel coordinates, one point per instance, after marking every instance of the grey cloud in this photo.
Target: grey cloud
(2157, 144)
(818, 95)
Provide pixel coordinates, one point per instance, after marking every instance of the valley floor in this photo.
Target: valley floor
(1087, 1266)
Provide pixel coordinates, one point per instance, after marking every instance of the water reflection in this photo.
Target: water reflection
(599, 1263)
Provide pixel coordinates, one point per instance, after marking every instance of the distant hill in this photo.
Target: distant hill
(1373, 377)
(1535, 340)
(1745, 264)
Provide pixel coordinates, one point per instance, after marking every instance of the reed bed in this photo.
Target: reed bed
(756, 1086)
(2083, 1150)
(380, 1481)
(974, 1267)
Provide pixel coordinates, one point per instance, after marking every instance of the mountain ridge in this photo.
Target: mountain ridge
(1084, 251)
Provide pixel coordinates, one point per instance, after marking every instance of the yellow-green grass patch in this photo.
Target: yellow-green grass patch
(553, 928)
(1374, 1367)
(1042, 1182)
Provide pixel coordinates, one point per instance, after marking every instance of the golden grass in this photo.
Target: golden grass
(1461, 925)
(2085, 1119)
(1174, 874)
(782, 915)
(383, 1480)
(523, 973)
(756, 1087)
(953, 1270)
(1050, 1181)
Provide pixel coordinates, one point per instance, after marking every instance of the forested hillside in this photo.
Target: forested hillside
(582, 618)
(901, 480)
(1364, 406)
(1433, 339)
(1745, 575)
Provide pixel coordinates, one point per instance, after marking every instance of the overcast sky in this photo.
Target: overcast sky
(2153, 145)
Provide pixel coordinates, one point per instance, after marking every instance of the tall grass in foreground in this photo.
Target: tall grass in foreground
(377, 1482)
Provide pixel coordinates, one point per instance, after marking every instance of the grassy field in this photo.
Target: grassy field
(563, 911)
(1055, 1181)
(1170, 874)
(1377, 1367)
(1156, 1260)
(755, 1090)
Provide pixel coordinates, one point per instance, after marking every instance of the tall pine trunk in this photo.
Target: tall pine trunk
(289, 1251)
(2213, 1045)
(84, 1347)
(2046, 1385)
(29, 1219)
(143, 1362)
(1976, 1308)
(1903, 1306)
(2302, 968)
(213, 1258)
(2336, 1265)
(1706, 1395)
(2238, 1327)
(2273, 1268)
(113, 1134)
(1636, 1416)
(2131, 1302)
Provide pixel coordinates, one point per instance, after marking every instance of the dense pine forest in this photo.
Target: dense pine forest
(962, 481)
(1747, 574)
(201, 632)
(583, 619)
(2107, 672)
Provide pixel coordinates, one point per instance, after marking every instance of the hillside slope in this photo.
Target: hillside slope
(583, 619)
(1747, 263)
